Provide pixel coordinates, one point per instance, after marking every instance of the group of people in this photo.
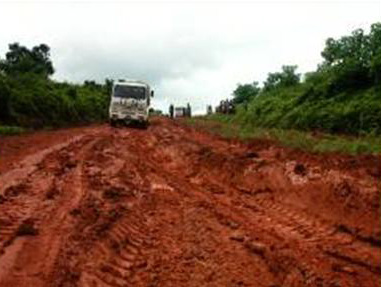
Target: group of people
(226, 107)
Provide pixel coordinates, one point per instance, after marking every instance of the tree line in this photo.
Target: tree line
(343, 95)
(30, 98)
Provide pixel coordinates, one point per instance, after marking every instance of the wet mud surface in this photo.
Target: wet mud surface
(172, 206)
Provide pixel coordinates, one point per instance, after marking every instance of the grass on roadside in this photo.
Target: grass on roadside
(11, 130)
(320, 143)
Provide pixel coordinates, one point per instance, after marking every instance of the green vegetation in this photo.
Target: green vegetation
(10, 130)
(226, 126)
(30, 99)
(343, 96)
(340, 102)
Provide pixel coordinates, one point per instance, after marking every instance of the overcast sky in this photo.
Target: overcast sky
(190, 51)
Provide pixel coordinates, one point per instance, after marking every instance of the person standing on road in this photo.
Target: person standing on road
(171, 110)
(189, 110)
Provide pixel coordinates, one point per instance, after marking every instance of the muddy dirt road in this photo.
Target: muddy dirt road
(171, 206)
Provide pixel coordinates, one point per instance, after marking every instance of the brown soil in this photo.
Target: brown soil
(173, 206)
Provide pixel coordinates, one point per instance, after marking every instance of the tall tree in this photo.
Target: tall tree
(286, 78)
(350, 59)
(375, 47)
(108, 85)
(244, 93)
(21, 60)
(4, 99)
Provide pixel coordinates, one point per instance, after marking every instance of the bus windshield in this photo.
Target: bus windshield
(130, 92)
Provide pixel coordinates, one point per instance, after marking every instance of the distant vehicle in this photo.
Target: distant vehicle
(209, 110)
(179, 112)
(130, 101)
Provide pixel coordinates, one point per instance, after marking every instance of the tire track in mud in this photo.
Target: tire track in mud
(198, 191)
(12, 214)
(17, 197)
(30, 164)
(291, 224)
(169, 206)
(334, 243)
(72, 194)
(113, 230)
(272, 218)
(36, 197)
(127, 245)
(313, 236)
(116, 258)
(315, 233)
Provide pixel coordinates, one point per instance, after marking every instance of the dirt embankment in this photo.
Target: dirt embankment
(172, 206)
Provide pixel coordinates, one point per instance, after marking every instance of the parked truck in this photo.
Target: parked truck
(179, 112)
(130, 102)
(183, 111)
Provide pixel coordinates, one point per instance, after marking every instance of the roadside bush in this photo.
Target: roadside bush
(342, 96)
(350, 112)
(29, 98)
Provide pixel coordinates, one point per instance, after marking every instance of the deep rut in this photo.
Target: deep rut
(171, 206)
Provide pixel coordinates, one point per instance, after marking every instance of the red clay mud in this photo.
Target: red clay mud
(173, 206)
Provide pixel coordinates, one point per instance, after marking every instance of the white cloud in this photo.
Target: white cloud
(191, 51)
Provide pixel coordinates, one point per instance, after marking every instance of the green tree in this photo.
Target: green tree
(92, 85)
(21, 60)
(244, 93)
(5, 94)
(375, 47)
(348, 61)
(286, 78)
(354, 48)
(108, 85)
(342, 95)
